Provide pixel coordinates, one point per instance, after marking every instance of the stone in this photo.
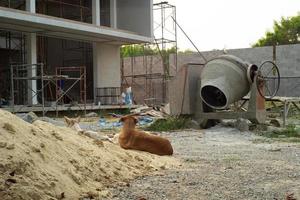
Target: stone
(91, 114)
(56, 135)
(261, 127)
(99, 143)
(275, 122)
(193, 124)
(31, 116)
(3, 144)
(28, 117)
(274, 129)
(33, 131)
(10, 146)
(9, 127)
(282, 136)
(228, 123)
(163, 167)
(35, 149)
(242, 125)
(272, 148)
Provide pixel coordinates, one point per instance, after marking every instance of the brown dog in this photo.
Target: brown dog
(130, 138)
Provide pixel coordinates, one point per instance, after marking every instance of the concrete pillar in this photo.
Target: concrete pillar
(151, 19)
(30, 6)
(113, 13)
(107, 65)
(96, 12)
(31, 53)
(96, 21)
(96, 61)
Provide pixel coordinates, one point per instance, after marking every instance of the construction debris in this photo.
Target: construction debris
(141, 109)
(146, 116)
(91, 114)
(104, 124)
(151, 111)
(28, 117)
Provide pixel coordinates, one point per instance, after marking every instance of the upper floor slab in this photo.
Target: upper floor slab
(111, 21)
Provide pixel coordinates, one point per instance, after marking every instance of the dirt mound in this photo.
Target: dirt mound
(42, 161)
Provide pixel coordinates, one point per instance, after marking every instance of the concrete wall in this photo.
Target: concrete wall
(135, 16)
(287, 59)
(107, 66)
(142, 87)
(183, 89)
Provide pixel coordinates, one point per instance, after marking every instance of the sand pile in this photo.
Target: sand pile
(41, 161)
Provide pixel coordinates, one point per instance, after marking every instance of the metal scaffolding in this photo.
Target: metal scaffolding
(147, 86)
(15, 4)
(21, 75)
(79, 10)
(152, 82)
(165, 32)
(74, 74)
(12, 52)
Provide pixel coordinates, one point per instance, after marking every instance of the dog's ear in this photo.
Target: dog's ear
(122, 119)
(135, 120)
(67, 120)
(78, 119)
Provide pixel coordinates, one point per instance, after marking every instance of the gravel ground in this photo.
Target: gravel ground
(221, 163)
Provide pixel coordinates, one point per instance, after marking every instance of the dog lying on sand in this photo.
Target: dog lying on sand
(74, 123)
(130, 138)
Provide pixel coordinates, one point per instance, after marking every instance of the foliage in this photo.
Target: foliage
(289, 131)
(286, 31)
(168, 124)
(136, 50)
(140, 50)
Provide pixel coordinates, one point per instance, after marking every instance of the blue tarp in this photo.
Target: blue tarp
(145, 120)
(107, 125)
(104, 124)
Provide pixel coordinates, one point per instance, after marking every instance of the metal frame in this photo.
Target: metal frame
(46, 80)
(81, 79)
(20, 5)
(108, 95)
(15, 47)
(83, 12)
(15, 71)
(286, 102)
(167, 14)
(148, 78)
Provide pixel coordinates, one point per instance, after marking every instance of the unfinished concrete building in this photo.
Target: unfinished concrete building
(74, 40)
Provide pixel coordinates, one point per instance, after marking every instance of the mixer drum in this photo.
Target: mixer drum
(224, 81)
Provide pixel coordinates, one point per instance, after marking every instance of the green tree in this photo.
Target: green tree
(136, 50)
(286, 31)
(140, 50)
